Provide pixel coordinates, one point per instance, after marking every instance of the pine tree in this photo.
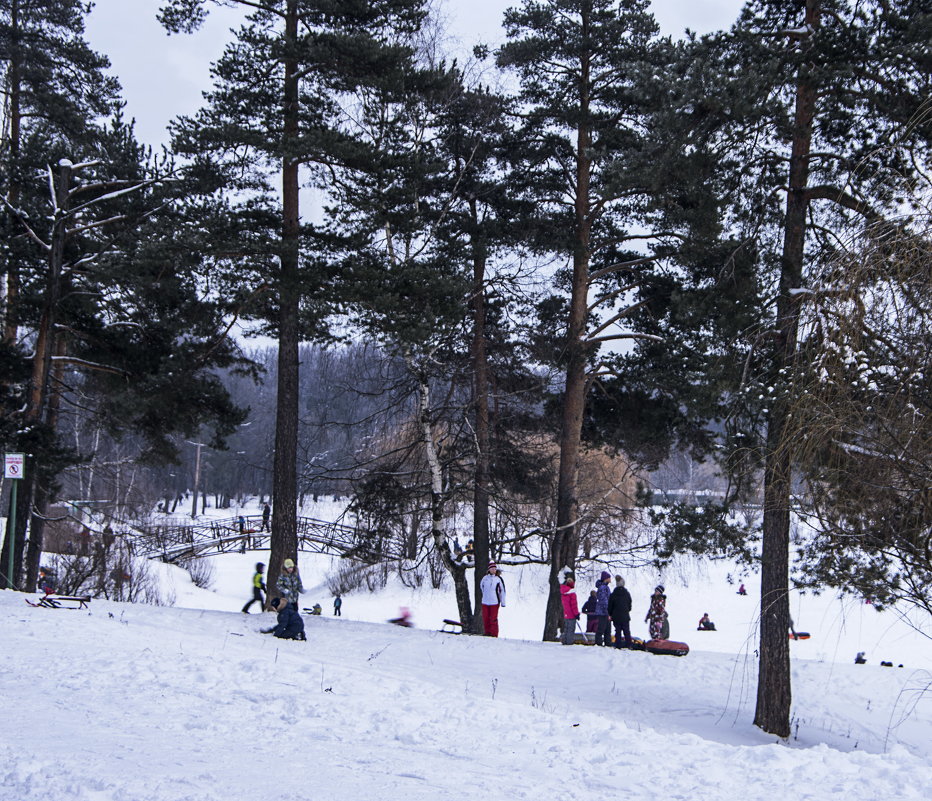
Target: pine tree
(55, 88)
(825, 120)
(477, 227)
(78, 193)
(862, 398)
(407, 274)
(308, 53)
(53, 85)
(590, 73)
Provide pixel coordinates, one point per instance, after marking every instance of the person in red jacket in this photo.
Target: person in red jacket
(570, 609)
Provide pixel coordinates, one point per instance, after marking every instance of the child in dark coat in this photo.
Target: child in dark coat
(290, 625)
(46, 581)
(705, 623)
(258, 587)
(603, 631)
(588, 608)
(619, 610)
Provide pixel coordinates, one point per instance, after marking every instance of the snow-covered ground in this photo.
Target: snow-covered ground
(140, 703)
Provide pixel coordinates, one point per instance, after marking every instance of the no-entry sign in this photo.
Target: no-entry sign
(13, 465)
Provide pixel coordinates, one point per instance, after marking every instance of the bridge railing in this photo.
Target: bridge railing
(174, 541)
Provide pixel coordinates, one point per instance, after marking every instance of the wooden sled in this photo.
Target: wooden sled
(670, 647)
(62, 601)
(452, 626)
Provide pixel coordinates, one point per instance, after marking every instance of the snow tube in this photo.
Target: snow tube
(667, 647)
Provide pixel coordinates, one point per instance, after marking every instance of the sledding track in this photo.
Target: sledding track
(174, 541)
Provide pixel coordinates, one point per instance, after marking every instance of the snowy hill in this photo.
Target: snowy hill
(139, 703)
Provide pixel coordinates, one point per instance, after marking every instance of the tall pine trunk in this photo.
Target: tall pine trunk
(773, 685)
(565, 542)
(284, 540)
(482, 472)
(40, 504)
(38, 412)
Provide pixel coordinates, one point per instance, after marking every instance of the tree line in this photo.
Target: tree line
(715, 245)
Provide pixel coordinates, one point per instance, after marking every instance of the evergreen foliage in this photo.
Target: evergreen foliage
(818, 123)
(102, 308)
(312, 57)
(624, 181)
(862, 409)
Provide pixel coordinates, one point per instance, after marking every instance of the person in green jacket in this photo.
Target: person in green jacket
(258, 587)
(289, 583)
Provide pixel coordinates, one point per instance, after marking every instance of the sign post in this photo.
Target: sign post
(12, 468)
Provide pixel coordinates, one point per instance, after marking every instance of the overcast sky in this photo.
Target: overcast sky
(163, 76)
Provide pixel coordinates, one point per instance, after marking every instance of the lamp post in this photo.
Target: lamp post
(197, 475)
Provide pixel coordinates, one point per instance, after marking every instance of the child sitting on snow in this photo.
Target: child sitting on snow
(705, 624)
(290, 625)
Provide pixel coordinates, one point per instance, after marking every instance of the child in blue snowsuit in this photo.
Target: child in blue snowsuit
(603, 632)
(290, 625)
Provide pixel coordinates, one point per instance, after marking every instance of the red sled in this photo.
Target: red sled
(667, 647)
(799, 635)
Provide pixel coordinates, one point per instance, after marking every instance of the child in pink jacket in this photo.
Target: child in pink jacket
(570, 610)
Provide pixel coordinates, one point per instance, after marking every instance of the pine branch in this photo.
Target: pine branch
(651, 337)
(610, 296)
(842, 198)
(22, 220)
(100, 368)
(621, 315)
(624, 265)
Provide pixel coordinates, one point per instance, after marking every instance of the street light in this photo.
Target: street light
(197, 475)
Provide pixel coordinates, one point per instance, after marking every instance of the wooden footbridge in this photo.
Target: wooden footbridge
(173, 541)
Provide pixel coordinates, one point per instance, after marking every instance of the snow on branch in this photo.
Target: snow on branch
(21, 216)
(101, 368)
(609, 338)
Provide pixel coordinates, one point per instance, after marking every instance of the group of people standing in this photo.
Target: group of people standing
(606, 608)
